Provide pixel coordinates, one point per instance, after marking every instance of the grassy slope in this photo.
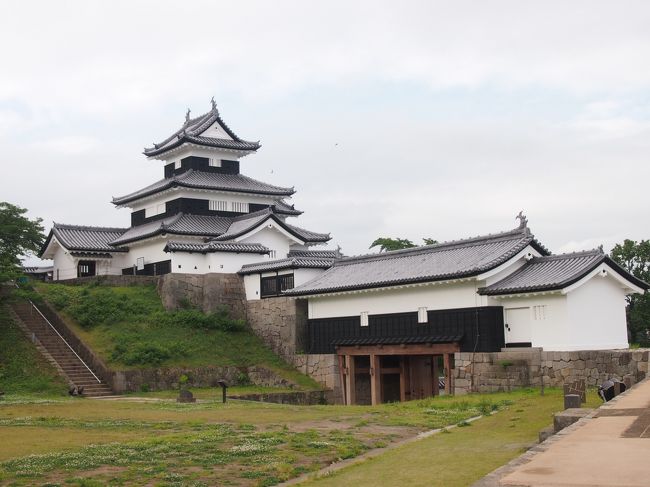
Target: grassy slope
(191, 346)
(23, 370)
(463, 455)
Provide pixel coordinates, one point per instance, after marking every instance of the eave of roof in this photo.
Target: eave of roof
(288, 263)
(209, 247)
(239, 184)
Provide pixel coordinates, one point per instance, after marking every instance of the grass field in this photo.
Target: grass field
(131, 441)
(129, 328)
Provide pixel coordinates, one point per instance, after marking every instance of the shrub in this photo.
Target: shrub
(144, 353)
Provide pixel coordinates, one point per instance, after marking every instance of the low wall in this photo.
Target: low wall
(501, 371)
(137, 380)
(205, 291)
(280, 322)
(111, 280)
(299, 398)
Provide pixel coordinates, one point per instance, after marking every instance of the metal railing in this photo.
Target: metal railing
(64, 341)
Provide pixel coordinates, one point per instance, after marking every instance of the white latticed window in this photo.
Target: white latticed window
(239, 207)
(177, 164)
(364, 318)
(217, 205)
(154, 210)
(539, 312)
(422, 315)
(214, 162)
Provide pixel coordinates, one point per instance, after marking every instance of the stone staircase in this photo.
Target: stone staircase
(57, 351)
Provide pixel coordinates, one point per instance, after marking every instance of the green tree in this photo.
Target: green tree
(635, 257)
(386, 243)
(19, 236)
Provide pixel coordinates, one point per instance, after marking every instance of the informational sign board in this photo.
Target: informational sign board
(140, 263)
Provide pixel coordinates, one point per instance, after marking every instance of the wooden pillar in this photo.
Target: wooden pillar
(342, 377)
(350, 391)
(448, 388)
(375, 379)
(434, 371)
(402, 378)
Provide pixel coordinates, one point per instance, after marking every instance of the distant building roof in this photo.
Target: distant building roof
(449, 260)
(191, 132)
(212, 181)
(556, 272)
(84, 238)
(38, 270)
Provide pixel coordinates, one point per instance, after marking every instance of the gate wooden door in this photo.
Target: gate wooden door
(421, 376)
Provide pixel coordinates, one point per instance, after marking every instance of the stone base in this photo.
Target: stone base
(566, 418)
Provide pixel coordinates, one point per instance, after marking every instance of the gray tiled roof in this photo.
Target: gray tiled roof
(191, 132)
(207, 180)
(245, 223)
(218, 228)
(397, 340)
(450, 260)
(179, 224)
(289, 263)
(84, 238)
(327, 254)
(252, 248)
(555, 272)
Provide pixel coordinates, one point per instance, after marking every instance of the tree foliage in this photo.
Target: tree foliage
(386, 243)
(19, 236)
(635, 257)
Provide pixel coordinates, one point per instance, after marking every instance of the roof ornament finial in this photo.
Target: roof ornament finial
(600, 249)
(214, 104)
(187, 116)
(523, 221)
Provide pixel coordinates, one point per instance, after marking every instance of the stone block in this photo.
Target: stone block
(566, 418)
(546, 433)
(572, 401)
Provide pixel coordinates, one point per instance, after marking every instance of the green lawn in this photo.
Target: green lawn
(460, 456)
(22, 368)
(72, 441)
(129, 328)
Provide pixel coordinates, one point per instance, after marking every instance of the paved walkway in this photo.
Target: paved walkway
(610, 447)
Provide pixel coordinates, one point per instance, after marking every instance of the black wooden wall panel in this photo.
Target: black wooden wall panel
(482, 328)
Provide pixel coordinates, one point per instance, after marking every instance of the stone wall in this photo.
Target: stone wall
(324, 369)
(205, 291)
(501, 371)
(280, 322)
(168, 378)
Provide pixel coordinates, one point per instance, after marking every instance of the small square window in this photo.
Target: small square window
(364, 318)
(177, 164)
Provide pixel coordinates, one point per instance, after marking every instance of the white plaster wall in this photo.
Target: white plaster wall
(272, 238)
(151, 250)
(596, 312)
(229, 262)
(252, 286)
(551, 332)
(65, 267)
(441, 296)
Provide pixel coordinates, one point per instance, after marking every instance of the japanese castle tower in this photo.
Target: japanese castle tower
(203, 216)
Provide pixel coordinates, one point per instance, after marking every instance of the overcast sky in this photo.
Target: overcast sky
(401, 119)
